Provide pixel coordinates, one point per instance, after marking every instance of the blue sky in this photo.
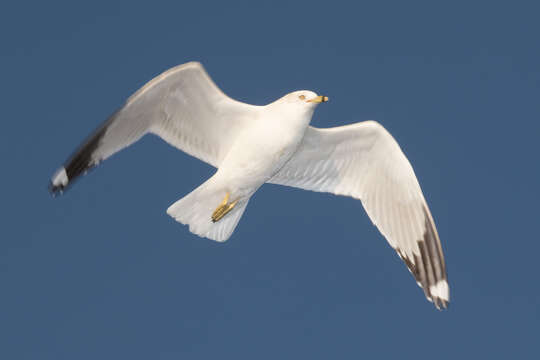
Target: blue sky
(103, 272)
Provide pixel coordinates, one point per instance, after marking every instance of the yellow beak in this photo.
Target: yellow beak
(319, 99)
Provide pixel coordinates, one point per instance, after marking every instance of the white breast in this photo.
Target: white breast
(261, 151)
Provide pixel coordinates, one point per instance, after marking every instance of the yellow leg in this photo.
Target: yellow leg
(223, 208)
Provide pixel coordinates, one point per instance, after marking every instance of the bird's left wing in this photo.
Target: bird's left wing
(183, 106)
(365, 162)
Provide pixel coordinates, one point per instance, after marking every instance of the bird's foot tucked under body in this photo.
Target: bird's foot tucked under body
(223, 208)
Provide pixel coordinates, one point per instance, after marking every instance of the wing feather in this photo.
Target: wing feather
(365, 162)
(183, 106)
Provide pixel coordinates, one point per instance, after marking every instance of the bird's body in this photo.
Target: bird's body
(252, 145)
(268, 140)
(267, 143)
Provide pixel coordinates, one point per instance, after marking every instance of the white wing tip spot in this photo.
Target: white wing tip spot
(440, 290)
(60, 178)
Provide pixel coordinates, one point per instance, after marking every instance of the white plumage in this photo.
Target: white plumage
(251, 145)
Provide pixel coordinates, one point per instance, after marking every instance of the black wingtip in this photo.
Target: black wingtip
(82, 160)
(55, 190)
(428, 267)
(440, 303)
(58, 182)
(444, 304)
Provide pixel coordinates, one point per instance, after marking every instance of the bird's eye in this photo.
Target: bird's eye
(302, 97)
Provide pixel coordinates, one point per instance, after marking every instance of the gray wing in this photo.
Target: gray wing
(365, 162)
(182, 106)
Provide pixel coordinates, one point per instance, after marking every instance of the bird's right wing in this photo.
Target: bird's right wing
(365, 162)
(183, 106)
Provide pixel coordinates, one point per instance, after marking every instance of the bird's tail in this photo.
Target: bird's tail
(196, 209)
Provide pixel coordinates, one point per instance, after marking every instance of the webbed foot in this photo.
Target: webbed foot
(223, 208)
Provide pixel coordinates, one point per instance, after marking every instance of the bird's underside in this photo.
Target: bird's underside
(186, 109)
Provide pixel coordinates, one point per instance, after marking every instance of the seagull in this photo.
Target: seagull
(251, 145)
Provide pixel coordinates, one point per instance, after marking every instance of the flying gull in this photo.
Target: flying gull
(252, 145)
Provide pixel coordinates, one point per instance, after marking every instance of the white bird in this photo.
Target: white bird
(252, 145)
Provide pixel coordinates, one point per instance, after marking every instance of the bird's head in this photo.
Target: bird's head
(298, 105)
(304, 98)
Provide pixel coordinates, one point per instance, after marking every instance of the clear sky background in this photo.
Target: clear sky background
(103, 273)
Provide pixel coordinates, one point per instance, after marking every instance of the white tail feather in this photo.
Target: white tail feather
(196, 208)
